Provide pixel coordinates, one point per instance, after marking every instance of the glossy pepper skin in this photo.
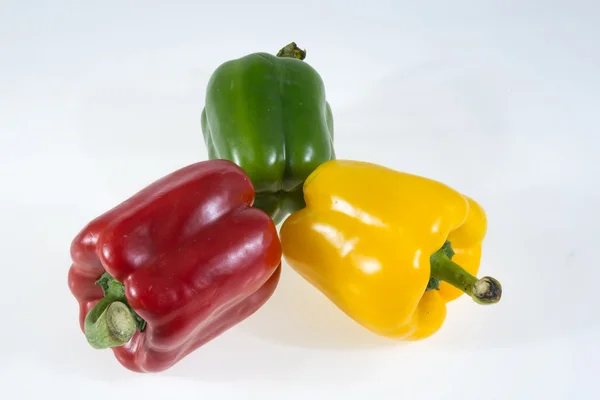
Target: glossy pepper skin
(370, 237)
(190, 256)
(269, 115)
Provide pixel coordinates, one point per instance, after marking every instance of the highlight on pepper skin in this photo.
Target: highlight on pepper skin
(390, 249)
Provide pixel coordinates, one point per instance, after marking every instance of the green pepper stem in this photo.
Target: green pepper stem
(292, 51)
(110, 322)
(486, 290)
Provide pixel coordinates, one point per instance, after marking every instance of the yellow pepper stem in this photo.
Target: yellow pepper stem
(486, 290)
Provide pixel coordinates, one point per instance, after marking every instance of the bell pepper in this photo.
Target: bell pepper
(174, 266)
(269, 115)
(390, 249)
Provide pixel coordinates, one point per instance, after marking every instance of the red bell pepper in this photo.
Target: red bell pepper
(174, 266)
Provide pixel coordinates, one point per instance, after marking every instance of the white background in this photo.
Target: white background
(498, 99)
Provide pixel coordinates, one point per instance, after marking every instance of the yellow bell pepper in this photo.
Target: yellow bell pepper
(390, 249)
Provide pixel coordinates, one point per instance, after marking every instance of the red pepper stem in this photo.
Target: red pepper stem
(292, 51)
(110, 323)
(486, 290)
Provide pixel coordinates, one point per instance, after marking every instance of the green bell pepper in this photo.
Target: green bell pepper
(269, 115)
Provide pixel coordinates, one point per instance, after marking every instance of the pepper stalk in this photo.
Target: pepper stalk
(292, 51)
(111, 322)
(486, 290)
